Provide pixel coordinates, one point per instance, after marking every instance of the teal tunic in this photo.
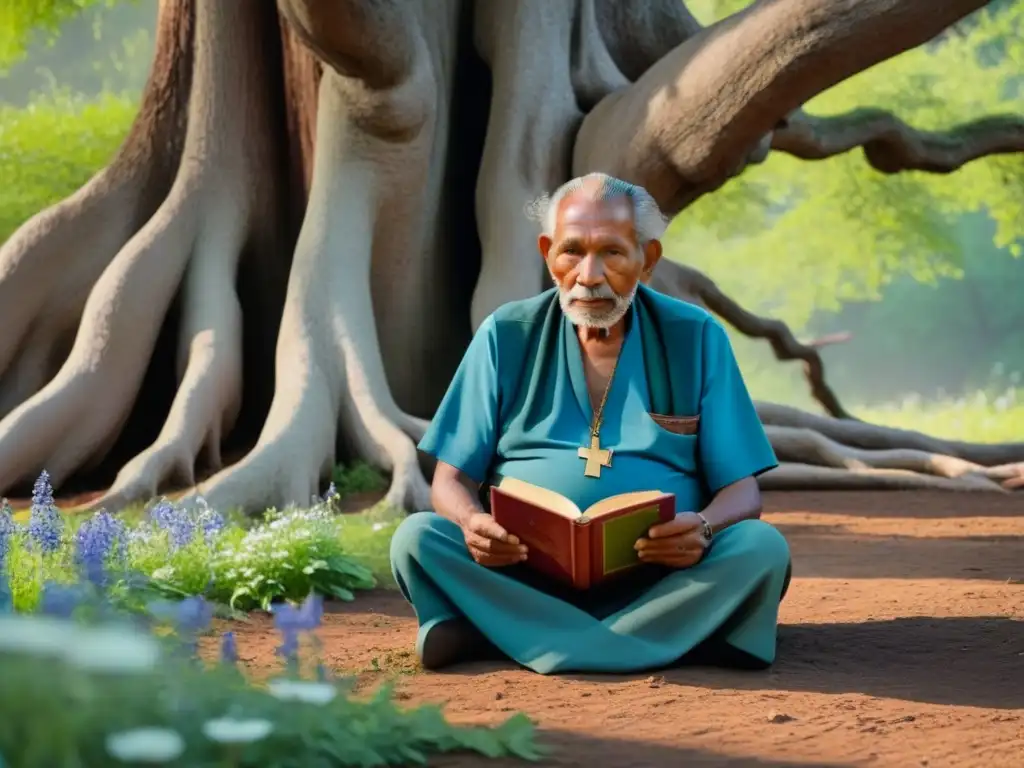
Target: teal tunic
(518, 406)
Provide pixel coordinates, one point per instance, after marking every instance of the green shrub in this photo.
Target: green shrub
(50, 149)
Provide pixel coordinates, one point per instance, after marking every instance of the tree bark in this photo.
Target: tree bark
(343, 182)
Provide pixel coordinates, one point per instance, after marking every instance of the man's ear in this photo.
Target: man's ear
(544, 246)
(652, 255)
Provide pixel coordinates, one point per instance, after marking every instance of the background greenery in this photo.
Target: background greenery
(923, 270)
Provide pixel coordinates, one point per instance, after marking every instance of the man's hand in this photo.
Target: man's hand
(675, 544)
(490, 544)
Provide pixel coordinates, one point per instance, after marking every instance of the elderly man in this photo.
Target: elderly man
(601, 360)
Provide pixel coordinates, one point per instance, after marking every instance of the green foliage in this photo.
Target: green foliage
(285, 557)
(52, 147)
(107, 49)
(358, 478)
(798, 237)
(20, 20)
(109, 695)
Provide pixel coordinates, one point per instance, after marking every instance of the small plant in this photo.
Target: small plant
(285, 557)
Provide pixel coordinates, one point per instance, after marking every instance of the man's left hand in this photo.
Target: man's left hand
(675, 544)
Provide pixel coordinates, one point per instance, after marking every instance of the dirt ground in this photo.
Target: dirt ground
(902, 644)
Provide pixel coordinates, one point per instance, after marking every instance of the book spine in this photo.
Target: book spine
(581, 553)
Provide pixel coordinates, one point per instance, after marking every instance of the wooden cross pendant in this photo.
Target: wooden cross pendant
(595, 456)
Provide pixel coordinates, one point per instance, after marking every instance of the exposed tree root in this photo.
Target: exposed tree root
(811, 477)
(79, 414)
(859, 434)
(329, 369)
(49, 265)
(805, 446)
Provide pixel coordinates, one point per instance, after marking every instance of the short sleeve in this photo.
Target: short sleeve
(733, 444)
(464, 432)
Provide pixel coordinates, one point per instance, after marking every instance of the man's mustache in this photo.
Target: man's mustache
(588, 293)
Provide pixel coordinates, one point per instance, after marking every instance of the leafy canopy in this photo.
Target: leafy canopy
(20, 20)
(793, 237)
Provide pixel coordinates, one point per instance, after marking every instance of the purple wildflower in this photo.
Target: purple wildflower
(228, 648)
(194, 614)
(190, 617)
(179, 525)
(60, 600)
(210, 521)
(8, 529)
(305, 618)
(332, 491)
(96, 540)
(291, 622)
(45, 525)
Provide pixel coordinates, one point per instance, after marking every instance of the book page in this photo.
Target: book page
(539, 497)
(621, 501)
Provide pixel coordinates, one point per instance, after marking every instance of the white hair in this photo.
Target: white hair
(648, 220)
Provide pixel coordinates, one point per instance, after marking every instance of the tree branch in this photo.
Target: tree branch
(890, 145)
(696, 117)
(691, 285)
(370, 41)
(639, 34)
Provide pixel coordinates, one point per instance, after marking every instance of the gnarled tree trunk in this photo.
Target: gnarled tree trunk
(318, 203)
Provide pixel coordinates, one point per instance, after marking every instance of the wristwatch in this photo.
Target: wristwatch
(706, 530)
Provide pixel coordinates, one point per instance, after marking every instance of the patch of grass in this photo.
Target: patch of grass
(983, 417)
(50, 148)
(360, 477)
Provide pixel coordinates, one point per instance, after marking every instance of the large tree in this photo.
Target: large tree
(318, 202)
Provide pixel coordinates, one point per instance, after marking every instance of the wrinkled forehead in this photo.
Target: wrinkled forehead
(579, 212)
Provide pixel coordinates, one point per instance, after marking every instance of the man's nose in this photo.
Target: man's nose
(591, 270)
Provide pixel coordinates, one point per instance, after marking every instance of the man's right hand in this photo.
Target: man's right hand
(490, 544)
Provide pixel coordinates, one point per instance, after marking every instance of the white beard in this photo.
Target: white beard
(587, 317)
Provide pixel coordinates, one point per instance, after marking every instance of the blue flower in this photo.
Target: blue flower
(291, 622)
(228, 648)
(305, 618)
(180, 527)
(99, 537)
(194, 614)
(8, 529)
(210, 521)
(60, 600)
(45, 525)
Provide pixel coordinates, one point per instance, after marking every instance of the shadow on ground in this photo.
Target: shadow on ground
(975, 662)
(833, 552)
(571, 750)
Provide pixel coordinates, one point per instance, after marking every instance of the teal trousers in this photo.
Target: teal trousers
(651, 619)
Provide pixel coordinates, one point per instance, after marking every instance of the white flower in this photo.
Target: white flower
(302, 690)
(164, 573)
(227, 730)
(145, 745)
(112, 649)
(36, 635)
(379, 527)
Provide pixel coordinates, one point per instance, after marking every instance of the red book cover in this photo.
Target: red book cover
(581, 548)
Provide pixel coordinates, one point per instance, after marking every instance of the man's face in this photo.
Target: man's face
(595, 259)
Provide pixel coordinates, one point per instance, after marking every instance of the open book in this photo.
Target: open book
(578, 547)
